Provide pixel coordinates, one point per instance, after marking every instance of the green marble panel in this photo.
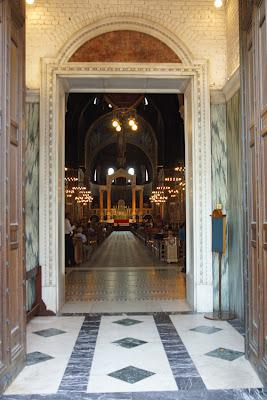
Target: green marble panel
(219, 193)
(235, 226)
(32, 195)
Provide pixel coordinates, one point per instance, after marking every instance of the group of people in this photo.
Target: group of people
(80, 240)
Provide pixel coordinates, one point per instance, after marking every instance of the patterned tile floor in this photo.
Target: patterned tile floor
(123, 269)
(165, 357)
(120, 347)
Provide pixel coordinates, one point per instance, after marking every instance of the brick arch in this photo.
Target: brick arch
(125, 46)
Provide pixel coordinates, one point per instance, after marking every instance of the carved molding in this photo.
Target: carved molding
(217, 97)
(128, 23)
(33, 96)
(232, 85)
(52, 73)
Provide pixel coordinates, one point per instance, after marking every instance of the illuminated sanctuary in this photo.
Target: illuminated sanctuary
(122, 174)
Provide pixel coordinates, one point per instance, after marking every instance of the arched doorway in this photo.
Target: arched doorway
(61, 76)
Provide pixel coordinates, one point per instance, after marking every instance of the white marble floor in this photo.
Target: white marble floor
(149, 356)
(126, 306)
(45, 377)
(173, 357)
(217, 373)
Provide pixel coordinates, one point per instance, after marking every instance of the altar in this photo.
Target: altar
(120, 212)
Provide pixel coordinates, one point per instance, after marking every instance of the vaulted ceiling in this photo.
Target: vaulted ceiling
(161, 112)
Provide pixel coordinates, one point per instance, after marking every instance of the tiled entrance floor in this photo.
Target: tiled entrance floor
(125, 285)
(130, 356)
(123, 269)
(124, 276)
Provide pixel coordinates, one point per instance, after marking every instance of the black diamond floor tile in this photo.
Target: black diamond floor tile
(131, 374)
(129, 343)
(206, 329)
(37, 357)
(49, 332)
(225, 354)
(127, 322)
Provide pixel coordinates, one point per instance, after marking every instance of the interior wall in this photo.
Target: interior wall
(32, 195)
(232, 36)
(235, 227)
(189, 20)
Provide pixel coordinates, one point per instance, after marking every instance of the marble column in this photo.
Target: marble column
(133, 203)
(109, 203)
(101, 203)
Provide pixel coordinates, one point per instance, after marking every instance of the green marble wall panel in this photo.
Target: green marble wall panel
(235, 227)
(219, 192)
(32, 194)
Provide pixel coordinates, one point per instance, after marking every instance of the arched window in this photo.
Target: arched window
(95, 176)
(147, 175)
(131, 171)
(111, 171)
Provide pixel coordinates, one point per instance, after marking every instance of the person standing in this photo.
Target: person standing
(69, 249)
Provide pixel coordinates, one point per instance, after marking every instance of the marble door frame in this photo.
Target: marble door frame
(190, 77)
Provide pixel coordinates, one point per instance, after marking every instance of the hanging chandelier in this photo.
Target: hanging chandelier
(158, 197)
(124, 117)
(80, 193)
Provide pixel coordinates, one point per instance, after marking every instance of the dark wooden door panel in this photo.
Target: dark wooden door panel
(254, 84)
(263, 145)
(12, 289)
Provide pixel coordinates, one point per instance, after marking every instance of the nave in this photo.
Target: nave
(124, 275)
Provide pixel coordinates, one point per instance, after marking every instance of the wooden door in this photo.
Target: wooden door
(254, 86)
(12, 272)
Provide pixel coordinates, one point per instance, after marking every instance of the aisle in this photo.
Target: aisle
(123, 250)
(123, 270)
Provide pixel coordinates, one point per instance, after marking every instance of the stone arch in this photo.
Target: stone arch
(128, 23)
(121, 173)
(125, 46)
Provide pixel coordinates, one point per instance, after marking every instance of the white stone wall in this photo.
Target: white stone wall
(202, 28)
(232, 36)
